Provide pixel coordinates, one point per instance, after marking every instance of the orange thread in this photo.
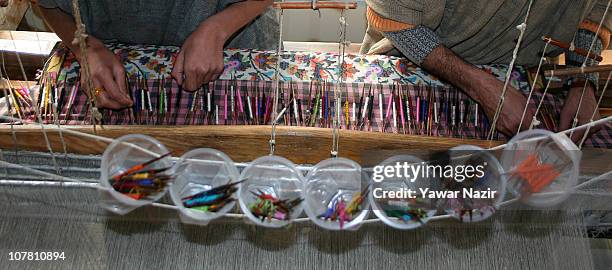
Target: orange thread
(535, 174)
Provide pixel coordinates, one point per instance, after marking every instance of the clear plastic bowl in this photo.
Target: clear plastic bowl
(494, 179)
(330, 180)
(200, 170)
(124, 153)
(276, 176)
(398, 184)
(556, 149)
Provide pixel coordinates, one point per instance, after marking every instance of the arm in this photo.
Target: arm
(106, 70)
(481, 86)
(201, 57)
(423, 47)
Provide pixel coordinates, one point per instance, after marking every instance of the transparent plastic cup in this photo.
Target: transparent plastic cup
(398, 184)
(550, 148)
(492, 184)
(121, 155)
(276, 176)
(197, 171)
(332, 180)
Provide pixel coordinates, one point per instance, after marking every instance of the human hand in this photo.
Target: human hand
(107, 73)
(201, 57)
(568, 112)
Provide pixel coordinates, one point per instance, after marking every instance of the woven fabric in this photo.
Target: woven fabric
(420, 104)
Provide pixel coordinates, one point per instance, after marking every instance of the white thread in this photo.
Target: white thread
(586, 59)
(603, 92)
(279, 52)
(535, 114)
(522, 27)
(533, 86)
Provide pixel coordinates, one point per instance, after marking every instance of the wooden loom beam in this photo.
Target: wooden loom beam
(302, 145)
(578, 70)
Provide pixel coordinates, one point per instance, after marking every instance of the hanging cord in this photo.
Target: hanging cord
(338, 96)
(603, 92)
(279, 52)
(534, 120)
(522, 27)
(80, 39)
(10, 97)
(533, 87)
(35, 107)
(586, 59)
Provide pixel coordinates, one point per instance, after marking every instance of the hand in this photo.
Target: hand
(584, 116)
(108, 73)
(201, 58)
(512, 110)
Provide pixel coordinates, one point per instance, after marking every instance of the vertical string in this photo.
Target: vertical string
(9, 98)
(603, 92)
(80, 38)
(522, 27)
(35, 107)
(534, 120)
(542, 58)
(338, 96)
(279, 52)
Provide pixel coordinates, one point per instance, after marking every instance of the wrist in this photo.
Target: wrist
(92, 44)
(214, 29)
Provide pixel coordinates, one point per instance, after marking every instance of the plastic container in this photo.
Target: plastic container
(197, 171)
(275, 176)
(122, 154)
(329, 182)
(492, 185)
(550, 148)
(398, 184)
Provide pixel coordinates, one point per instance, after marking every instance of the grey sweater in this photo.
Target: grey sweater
(164, 22)
(484, 31)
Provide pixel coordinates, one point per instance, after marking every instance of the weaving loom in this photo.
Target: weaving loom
(366, 107)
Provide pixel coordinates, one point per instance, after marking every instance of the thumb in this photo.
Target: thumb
(177, 70)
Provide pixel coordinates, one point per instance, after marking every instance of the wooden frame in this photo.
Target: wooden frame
(302, 145)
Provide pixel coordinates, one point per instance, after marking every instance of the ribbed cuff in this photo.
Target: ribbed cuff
(416, 44)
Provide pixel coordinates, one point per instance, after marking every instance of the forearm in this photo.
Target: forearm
(236, 16)
(64, 27)
(445, 64)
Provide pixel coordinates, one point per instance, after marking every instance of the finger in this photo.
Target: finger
(119, 76)
(194, 77)
(218, 72)
(209, 76)
(103, 101)
(178, 69)
(115, 96)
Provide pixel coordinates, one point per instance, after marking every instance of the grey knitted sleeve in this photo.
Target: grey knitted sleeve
(583, 40)
(416, 43)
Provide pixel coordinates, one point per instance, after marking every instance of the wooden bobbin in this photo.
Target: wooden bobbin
(579, 51)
